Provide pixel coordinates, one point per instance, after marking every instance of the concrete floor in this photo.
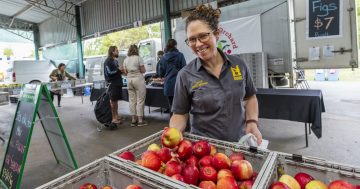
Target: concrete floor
(339, 143)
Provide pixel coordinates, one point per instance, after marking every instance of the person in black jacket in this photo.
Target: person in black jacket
(170, 64)
(112, 73)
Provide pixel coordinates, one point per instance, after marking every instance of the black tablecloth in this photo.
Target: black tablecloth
(288, 104)
(292, 104)
(154, 97)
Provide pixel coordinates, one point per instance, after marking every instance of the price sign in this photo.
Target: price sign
(324, 18)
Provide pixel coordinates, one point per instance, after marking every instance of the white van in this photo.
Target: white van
(29, 71)
(94, 66)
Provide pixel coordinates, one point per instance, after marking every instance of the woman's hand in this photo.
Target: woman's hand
(253, 129)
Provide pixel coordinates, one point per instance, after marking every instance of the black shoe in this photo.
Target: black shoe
(167, 111)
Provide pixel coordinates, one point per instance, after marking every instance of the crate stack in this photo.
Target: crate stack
(257, 64)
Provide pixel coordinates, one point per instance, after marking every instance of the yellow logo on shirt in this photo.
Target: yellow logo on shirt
(199, 84)
(236, 72)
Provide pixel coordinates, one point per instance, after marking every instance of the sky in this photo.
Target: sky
(21, 47)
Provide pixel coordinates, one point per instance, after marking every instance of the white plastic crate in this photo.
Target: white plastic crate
(257, 157)
(319, 169)
(107, 171)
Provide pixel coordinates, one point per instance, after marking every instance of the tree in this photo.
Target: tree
(122, 39)
(8, 52)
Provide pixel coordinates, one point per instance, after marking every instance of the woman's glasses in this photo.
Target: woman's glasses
(202, 37)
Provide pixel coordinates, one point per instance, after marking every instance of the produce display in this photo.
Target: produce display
(196, 163)
(168, 160)
(305, 181)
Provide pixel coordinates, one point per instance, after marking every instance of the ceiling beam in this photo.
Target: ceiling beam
(7, 22)
(64, 11)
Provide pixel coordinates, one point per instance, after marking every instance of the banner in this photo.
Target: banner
(242, 35)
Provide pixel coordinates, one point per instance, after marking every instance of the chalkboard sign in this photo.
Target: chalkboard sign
(33, 99)
(324, 18)
(19, 138)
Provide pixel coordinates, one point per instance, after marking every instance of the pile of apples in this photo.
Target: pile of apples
(305, 181)
(93, 186)
(196, 163)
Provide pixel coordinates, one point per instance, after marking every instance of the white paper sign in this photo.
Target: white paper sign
(314, 53)
(328, 51)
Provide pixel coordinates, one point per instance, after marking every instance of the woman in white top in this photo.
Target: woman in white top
(134, 69)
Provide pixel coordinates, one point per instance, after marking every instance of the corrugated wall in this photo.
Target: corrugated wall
(55, 31)
(110, 15)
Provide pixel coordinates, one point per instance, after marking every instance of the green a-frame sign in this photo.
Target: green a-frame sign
(34, 101)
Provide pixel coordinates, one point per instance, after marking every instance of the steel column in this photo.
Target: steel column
(79, 42)
(167, 20)
(36, 34)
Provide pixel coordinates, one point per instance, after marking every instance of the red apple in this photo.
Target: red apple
(357, 186)
(172, 168)
(224, 173)
(303, 179)
(185, 149)
(242, 169)
(171, 137)
(254, 176)
(178, 177)
(88, 186)
(341, 184)
(201, 148)
(236, 156)
(220, 161)
(212, 150)
(127, 155)
(190, 174)
(227, 183)
(192, 160)
(246, 184)
(107, 187)
(151, 161)
(279, 185)
(133, 186)
(164, 154)
(208, 173)
(205, 161)
(207, 185)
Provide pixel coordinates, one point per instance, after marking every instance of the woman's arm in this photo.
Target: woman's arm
(70, 77)
(179, 121)
(252, 112)
(52, 75)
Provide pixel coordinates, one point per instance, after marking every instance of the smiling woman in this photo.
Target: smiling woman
(215, 89)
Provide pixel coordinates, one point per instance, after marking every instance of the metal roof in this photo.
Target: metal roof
(35, 11)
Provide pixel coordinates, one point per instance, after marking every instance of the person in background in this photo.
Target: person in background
(160, 54)
(134, 69)
(59, 74)
(170, 64)
(112, 73)
(215, 88)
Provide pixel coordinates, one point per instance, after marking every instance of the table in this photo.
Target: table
(76, 86)
(294, 105)
(154, 97)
